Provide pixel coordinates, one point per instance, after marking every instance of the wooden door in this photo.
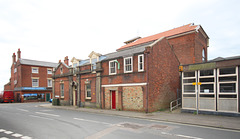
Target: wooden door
(113, 99)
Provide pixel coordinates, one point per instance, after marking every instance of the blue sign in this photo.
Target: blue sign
(34, 88)
(28, 95)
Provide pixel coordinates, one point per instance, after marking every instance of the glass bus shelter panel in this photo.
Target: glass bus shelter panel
(189, 90)
(206, 91)
(227, 97)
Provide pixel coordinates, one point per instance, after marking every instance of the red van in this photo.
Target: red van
(6, 96)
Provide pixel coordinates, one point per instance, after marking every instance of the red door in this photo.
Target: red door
(113, 100)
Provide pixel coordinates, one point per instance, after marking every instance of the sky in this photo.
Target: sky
(49, 30)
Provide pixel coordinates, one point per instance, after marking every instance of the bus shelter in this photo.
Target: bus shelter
(212, 86)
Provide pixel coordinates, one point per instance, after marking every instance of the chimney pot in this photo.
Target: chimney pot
(19, 53)
(14, 58)
(66, 60)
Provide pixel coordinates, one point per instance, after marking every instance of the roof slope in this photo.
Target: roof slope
(224, 58)
(175, 31)
(37, 63)
(128, 52)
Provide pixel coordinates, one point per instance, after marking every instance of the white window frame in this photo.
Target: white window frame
(35, 68)
(35, 78)
(15, 70)
(49, 85)
(86, 90)
(128, 65)
(139, 63)
(115, 66)
(62, 90)
(49, 70)
(223, 82)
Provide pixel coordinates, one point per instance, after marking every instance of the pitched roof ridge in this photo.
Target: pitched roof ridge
(37, 60)
(167, 33)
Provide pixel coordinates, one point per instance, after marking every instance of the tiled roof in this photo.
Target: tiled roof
(175, 31)
(128, 52)
(37, 63)
(224, 58)
(87, 61)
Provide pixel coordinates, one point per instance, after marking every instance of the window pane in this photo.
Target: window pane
(206, 88)
(189, 88)
(141, 66)
(228, 88)
(206, 72)
(88, 93)
(189, 80)
(189, 74)
(225, 79)
(140, 59)
(206, 79)
(227, 71)
(88, 86)
(49, 71)
(34, 70)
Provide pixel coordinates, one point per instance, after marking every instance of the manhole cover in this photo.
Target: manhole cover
(130, 125)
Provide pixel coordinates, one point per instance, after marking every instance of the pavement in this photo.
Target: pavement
(214, 121)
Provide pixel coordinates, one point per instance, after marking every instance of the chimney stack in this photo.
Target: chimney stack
(13, 58)
(19, 53)
(66, 60)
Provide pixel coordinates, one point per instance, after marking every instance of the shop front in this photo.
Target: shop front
(32, 94)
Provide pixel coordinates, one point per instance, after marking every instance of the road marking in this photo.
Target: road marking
(48, 114)
(92, 121)
(8, 132)
(165, 133)
(23, 110)
(4, 138)
(2, 130)
(26, 137)
(185, 124)
(40, 117)
(190, 137)
(17, 135)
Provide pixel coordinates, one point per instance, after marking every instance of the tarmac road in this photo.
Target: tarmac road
(28, 120)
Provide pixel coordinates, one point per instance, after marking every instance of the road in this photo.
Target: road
(29, 121)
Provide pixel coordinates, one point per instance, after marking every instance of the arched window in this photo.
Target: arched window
(203, 55)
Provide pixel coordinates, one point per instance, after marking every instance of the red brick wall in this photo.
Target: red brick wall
(121, 77)
(26, 76)
(163, 76)
(183, 47)
(62, 80)
(65, 81)
(188, 48)
(91, 77)
(200, 44)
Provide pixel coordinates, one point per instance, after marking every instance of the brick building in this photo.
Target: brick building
(30, 80)
(141, 75)
(65, 83)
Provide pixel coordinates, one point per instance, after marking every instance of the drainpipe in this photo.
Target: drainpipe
(118, 64)
(147, 53)
(79, 87)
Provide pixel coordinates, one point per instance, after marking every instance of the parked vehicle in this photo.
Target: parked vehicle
(6, 96)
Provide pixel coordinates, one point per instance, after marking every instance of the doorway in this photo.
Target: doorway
(74, 96)
(113, 99)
